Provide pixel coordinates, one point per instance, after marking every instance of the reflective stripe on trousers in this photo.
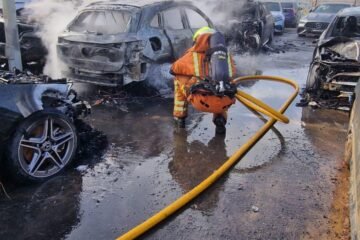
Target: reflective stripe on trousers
(196, 59)
(180, 101)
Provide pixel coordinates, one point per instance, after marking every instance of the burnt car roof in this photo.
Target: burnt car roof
(135, 4)
(351, 11)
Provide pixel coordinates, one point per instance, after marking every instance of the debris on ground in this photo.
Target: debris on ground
(92, 143)
(325, 101)
(120, 97)
(4, 190)
(82, 168)
(255, 209)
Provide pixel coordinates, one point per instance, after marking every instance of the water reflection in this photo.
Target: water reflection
(46, 211)
(324, 127)
(194, 161)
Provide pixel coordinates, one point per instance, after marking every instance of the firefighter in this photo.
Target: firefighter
(203, 78)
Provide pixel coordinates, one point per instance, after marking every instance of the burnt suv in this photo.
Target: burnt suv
(112, 44)
(37, 134)
(249, 26)
(335, 69)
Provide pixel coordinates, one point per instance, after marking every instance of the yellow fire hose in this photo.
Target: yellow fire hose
(250, 102)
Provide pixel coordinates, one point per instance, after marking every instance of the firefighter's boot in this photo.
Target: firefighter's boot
(220, 123)
(179, 122)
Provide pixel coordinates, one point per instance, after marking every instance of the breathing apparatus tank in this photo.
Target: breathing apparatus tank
(216, 93)
(218, 60)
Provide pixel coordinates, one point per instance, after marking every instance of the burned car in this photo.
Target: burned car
(335, 69)
(37, 135)
(250, 26)
(33, 51)
(112, 44)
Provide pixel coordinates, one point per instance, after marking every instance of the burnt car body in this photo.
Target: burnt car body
(250, 26)
(335, 69)
(33, 52)
(319, 18)
(113, 44)
(37, 134)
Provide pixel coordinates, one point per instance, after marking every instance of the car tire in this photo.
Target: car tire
(271, 38)
(312, 82)
(42, 146)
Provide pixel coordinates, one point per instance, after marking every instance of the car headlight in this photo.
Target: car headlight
(303, 20)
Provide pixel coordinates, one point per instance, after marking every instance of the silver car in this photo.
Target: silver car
(319, 18)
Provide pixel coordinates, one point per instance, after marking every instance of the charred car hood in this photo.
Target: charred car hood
(320, 17)
(99, 39)
(346, 47)
(27, 98)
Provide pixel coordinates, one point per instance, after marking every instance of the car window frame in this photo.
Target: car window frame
(185, 25)
(158, 14)
(333, 25)
(198, 11)
(133, 24)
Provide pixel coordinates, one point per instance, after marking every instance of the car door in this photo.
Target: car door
(158, 47)
(180, 36)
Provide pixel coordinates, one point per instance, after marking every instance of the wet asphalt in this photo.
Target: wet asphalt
(291, 185)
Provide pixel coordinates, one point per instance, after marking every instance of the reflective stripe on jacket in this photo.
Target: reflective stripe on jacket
(192, 64)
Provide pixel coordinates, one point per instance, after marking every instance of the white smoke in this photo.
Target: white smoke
(52, 16)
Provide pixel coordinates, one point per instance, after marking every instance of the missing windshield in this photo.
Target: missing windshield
(102, 22)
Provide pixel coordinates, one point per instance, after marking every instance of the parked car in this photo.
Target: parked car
(291, 13)
(18, 3)
(335, 69)
(37, 132)
(113, 44)
(277, 12)
(249, 27)
(33, 52)
(319, 18)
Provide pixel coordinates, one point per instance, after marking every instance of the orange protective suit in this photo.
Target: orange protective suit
(191, 69)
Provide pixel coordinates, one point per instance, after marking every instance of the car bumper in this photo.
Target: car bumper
(279, 26)
(135, 73)
(315, 28)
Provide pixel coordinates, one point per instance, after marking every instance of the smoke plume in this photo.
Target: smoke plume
(52, 16)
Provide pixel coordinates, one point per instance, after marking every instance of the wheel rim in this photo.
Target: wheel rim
(46, 147)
